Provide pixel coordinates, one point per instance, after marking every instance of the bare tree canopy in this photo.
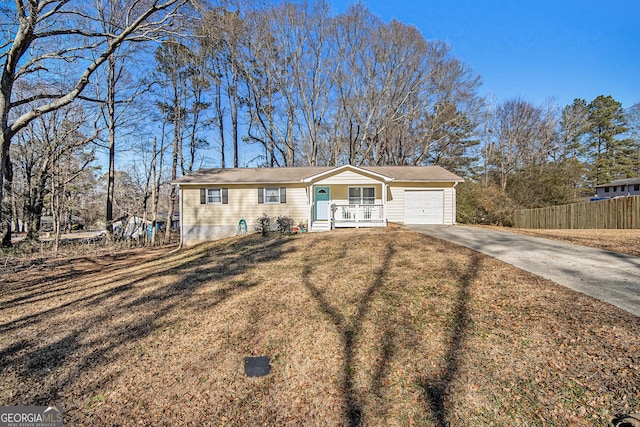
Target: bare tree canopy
(64, 41)
(323, 89)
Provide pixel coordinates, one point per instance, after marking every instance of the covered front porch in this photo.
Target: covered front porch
(349, 216)
(347, 199)
(327, 215)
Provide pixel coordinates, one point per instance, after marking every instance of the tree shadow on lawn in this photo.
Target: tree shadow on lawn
(60, 271)
(436, 389)
(53, 356)
(55, 278)
(350, 328)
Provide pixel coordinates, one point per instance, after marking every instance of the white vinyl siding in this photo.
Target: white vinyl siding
(348, 178)
(618, 190)
(202, 222)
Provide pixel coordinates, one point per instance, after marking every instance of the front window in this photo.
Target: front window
(272, 195)
(214, 195)
(362, 195)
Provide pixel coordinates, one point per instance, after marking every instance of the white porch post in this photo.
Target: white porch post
(310, 210)
(384, 201)
(455, 205)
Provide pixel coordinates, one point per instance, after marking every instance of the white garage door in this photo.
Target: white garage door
(424, 207)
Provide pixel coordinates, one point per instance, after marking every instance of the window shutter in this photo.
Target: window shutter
(203, 196)
(283, 195)
(225, 196)
(260, 195)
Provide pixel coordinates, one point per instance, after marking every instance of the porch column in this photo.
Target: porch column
(310, 208)
(384, 201)
(454, 204)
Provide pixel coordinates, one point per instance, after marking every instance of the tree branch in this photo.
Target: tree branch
(83, 80)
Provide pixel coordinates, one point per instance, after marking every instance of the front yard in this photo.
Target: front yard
(373, 327)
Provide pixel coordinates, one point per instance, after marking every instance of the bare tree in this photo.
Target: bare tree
(173, 64)
(66, 169)
(199, 86)
(263, 76)
(402, 99)
(117, 89)
(522, 135)
(313, 62)
(40, 148)
(633, 121)
(45, 36)
(222, 33)
(351, 89)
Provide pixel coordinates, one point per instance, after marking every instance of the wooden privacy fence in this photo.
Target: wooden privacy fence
(620, 213)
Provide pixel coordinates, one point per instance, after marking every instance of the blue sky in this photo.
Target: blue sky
(534, 49)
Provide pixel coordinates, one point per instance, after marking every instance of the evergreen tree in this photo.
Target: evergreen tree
(608, 153)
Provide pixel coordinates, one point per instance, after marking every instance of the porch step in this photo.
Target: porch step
(320, 226)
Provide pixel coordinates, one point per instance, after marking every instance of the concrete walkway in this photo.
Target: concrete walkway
(607, 276)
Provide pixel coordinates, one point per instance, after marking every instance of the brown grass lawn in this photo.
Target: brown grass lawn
(363, 327)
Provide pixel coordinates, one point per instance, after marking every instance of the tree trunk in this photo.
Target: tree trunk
(34, 204)
(55, 212)
(32, 220)
(234, 117)
(111, 123)
(5, 205)
(235, 133)
(173, 195)
(15, 216)
(4, 162)
(154, 193)
(220, 117)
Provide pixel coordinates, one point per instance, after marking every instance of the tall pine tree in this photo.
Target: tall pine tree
(609, 153)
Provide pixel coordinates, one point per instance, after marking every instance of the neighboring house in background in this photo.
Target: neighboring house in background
(213, 201)
(618, 188)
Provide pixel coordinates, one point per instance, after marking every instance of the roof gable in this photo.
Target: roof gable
(355, 169)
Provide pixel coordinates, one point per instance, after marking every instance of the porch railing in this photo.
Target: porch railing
(354, 214)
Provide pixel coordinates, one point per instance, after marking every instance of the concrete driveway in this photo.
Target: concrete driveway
(607, 276)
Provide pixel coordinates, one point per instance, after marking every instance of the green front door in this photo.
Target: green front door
(321, 198)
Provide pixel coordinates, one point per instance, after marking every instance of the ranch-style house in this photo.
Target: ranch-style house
(214, 201)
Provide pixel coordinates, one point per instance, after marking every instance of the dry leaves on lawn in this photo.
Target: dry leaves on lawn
(371, 327)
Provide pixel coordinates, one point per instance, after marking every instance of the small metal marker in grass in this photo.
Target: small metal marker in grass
(257, 366)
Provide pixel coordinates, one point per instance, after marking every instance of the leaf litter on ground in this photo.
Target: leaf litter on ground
(370, 326)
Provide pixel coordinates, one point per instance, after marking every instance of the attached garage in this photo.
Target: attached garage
(424, 207)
